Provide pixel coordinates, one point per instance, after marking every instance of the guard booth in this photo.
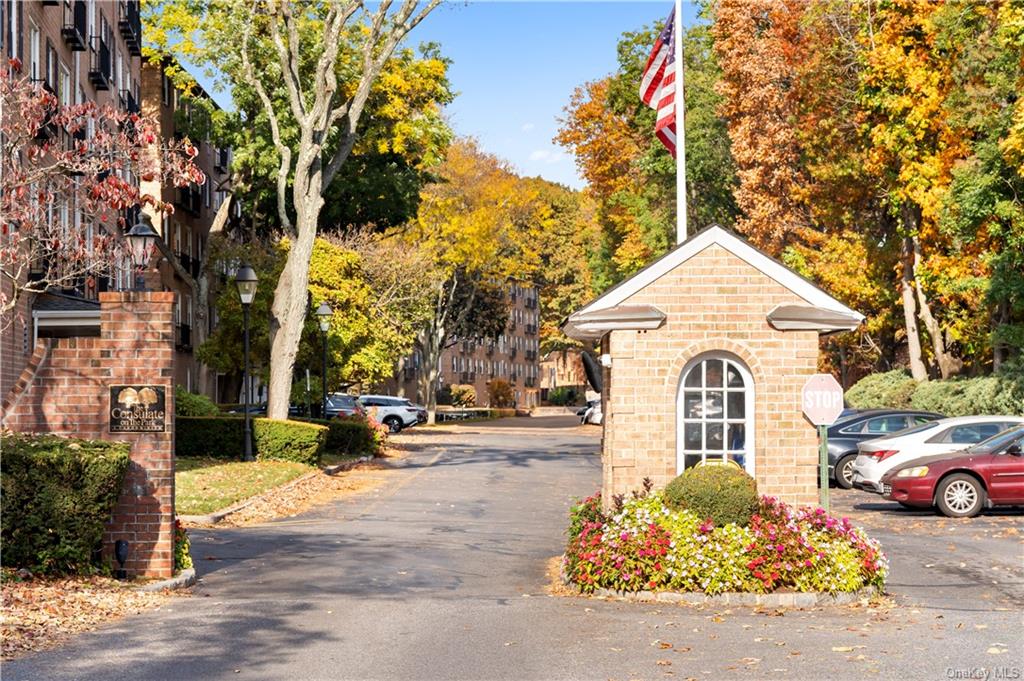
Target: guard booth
(704, 353)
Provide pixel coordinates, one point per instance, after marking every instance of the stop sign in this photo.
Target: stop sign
(822, 399)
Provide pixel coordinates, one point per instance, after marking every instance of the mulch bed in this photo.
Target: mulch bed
(39, 612)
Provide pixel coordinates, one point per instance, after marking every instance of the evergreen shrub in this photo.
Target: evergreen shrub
(191, 404)
(722, 493)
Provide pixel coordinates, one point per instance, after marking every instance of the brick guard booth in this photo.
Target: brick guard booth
(65, 390)
(704, 355)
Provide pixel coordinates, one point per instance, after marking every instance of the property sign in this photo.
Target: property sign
(822, 399)
(137, 409)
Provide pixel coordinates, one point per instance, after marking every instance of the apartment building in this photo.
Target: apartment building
(563, 369)
(81, 51)
(513, 357)
(186, 231)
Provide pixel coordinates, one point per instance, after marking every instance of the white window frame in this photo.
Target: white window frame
(749, 417)
(34, 55)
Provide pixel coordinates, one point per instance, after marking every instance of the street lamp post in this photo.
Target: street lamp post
(141, 238)
(246, 281)
(324, 313)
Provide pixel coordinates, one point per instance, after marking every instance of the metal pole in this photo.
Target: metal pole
(246, 387)
(323, 385)
(680, 109)
(823, 464)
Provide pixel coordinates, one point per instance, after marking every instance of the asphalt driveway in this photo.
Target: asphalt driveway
(440, 574)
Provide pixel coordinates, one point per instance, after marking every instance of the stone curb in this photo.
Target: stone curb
(217, 516)
(182, 580)
(772, 600)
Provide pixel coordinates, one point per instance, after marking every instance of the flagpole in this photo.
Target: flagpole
(680, 109)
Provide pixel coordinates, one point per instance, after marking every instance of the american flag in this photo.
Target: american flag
(658, 85)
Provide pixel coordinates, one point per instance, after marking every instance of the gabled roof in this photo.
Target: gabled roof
(736, 245)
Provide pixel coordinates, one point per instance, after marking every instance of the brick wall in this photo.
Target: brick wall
(713, 302)
(64, 389)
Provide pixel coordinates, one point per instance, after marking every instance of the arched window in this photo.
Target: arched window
(715, 412)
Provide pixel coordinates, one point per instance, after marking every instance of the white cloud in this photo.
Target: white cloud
(548, 156)
(527, 127)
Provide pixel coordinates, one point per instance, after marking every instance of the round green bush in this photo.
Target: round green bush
(890, 390)
(191, 404)
(725, 494)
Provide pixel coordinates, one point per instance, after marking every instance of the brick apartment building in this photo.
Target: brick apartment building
(513, 357)
(81, 51)
(563, 369)
(91, 50)
(187, 231)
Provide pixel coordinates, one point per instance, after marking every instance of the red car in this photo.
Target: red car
(961, 484)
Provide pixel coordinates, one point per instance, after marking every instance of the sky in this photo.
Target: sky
(515, 66)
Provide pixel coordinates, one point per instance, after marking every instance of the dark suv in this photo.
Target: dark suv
(844, 436)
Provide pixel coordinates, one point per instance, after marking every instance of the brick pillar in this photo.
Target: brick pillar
(137, 348)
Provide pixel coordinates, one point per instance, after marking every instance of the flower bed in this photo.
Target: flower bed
(646, 546)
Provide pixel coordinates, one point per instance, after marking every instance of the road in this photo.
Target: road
(440, 574)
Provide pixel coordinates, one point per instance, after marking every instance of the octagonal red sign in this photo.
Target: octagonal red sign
(822, 399)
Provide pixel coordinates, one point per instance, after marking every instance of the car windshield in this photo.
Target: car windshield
(342, 400)
(997, 442)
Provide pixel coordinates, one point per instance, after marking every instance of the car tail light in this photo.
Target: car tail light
(883, 454)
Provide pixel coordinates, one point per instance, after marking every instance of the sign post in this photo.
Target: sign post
(822, 400)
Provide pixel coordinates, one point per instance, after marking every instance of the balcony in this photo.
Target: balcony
(409, 373)
(531, 303)
(129, 22)
(530, 355)
(464, 377)
(489, 349)
(100, 71)
(512, 353)
(74, 27)
(185, 261)
(513, 377)
(50, 3)
(530, 382)
(512, 326)
(47, 129)
(531, 329)
(183, 337)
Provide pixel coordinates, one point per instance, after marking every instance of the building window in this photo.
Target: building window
(64, 89)
(715, 413)
(34, 64)
(166, 83)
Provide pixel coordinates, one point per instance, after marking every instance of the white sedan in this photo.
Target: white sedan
(876, 457)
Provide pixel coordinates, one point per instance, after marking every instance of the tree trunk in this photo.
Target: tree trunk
(948, 364)
(288, 311)
(1000, 349)
(431, 344)
(917, 367)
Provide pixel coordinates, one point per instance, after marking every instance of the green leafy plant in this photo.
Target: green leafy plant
(463, 395)
(724, 494)
(584, 512)
(353, 435)
(57, 495)
(182, 546)
(219, 437)
(562, 396)
(890, 389)
(288, 441)
(191, 404)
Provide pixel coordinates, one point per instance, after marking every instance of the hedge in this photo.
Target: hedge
(221, 437)
(722, 492)
(57, 495)
(1000, 394)
(191, 404)
(350, 437)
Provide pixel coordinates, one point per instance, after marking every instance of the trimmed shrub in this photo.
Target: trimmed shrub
(561, 396)
(288, 440)
(463, 395)
(501, 394)
(890, 389)
(57, 494)
(219, 437)
(190, 404)
(724, 494)
(352, 436)
(500, 413)
(1001, 393)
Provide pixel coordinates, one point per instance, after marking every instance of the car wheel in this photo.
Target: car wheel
(393, 423)
(960, 496)
(844, 471)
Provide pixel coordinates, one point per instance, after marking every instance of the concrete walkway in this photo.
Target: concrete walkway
(440, 574)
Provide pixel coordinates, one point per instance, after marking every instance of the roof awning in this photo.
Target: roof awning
(809, 318)
(59, 315)
(591, 326)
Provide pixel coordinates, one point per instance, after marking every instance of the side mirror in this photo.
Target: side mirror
(1015, 449)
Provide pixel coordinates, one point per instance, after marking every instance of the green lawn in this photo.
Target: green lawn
(203, 485)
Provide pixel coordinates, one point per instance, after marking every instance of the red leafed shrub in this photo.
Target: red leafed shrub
(627, 561)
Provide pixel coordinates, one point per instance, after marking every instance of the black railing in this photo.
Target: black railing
(464, 377)
(531, 303)
(189, 199)
(74, 27)
(530, 355)
(221, 160)
(50, 3)
(47, 129)
(183, 341)
(530, 382)
(513, 377)
(512, 353)
(100, 73)
(531, 329)
(409, 373)
(128, 102)
(185, 261)
(130, 24)
(197, 266)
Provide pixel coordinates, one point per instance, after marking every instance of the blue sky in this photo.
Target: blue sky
(516, 64)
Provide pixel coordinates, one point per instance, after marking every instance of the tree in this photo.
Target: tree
(478, 224)
(311, 66)
(68, 185)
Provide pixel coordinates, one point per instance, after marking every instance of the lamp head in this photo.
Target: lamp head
(141, 238)
(323, 314)
(246, 281)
